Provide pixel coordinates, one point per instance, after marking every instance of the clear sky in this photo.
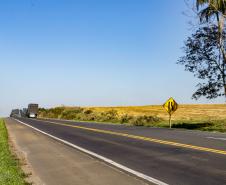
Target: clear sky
(93, 53)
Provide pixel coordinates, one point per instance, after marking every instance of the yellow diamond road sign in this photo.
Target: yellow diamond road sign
(170, 106)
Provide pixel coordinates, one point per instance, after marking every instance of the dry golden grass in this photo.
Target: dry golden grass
(190, 112)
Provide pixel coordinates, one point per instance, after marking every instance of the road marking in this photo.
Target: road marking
(113, 163)
(217, 138)
(223, 152)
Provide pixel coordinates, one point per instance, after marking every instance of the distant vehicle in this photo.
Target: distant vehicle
(24, 112)
(15, 112)
(32, 110)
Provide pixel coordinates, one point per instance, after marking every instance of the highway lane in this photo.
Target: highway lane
(170, 164)
(197, 138)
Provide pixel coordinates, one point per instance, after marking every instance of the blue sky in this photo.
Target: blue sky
(93, 53)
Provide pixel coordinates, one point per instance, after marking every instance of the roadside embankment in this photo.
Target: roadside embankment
(209, 117)
(10, 171)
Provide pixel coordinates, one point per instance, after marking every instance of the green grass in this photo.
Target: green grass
(10, 172)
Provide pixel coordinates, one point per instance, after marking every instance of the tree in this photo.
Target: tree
(205, 54)
(210, 10)
(204, 58)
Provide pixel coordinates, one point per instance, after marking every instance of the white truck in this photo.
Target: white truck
(32, 110)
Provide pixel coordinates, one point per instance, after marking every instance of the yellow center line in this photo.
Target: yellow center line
(144, 138)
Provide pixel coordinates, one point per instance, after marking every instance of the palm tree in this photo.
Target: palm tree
(214, 9)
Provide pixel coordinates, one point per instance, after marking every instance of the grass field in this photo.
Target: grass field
(10, 172)
(210, 117)
(185, 112)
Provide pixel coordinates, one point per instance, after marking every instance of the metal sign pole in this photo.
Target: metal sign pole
(170, 120)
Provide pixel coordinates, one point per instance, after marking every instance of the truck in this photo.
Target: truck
(15, 112)
(32, 110)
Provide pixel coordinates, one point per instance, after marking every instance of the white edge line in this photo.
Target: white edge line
(113, 163)
(218, 138)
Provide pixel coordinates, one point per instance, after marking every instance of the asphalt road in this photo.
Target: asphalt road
(176, 157)
(50, 162)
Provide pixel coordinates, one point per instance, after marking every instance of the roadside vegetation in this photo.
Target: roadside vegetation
(89, 114)
(200, 117)
(10, 172)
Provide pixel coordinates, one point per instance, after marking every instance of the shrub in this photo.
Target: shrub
(57, 111)
(144, 120)
(111, 115)
(42, 110)
(91, 117)
(125, 118)
(136, 121)
(71, 113)
(88, 111)
(86, 117)
(68, 114)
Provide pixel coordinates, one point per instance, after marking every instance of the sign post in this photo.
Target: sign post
(171, 106)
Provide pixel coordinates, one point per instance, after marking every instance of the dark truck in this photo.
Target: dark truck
(15, 112)
(32, 110)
